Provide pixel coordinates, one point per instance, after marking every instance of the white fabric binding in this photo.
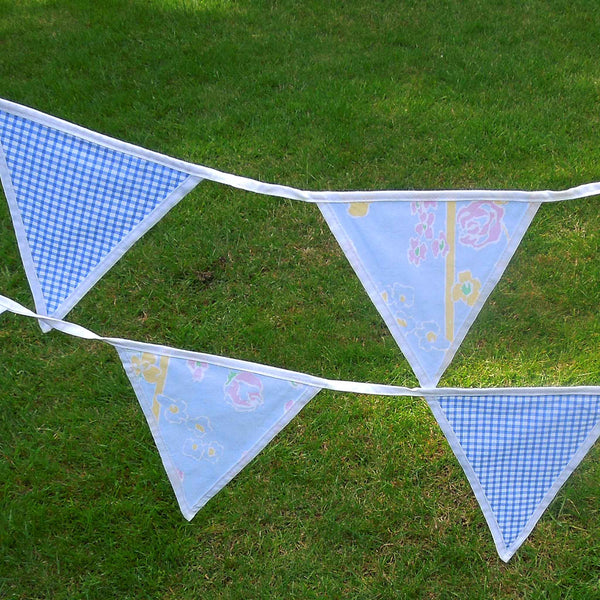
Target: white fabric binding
(283, 191)
(354, 387)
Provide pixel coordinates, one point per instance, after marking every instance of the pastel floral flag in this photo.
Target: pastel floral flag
(429, 266)
(208, 420)
(517, 451)
(78, 201)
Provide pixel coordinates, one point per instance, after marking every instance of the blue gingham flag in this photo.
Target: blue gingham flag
(517, 451)
(208, 420)
(429, 266)
(78, 201)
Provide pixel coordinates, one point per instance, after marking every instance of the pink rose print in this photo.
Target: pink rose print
(480, 224)
(426, 236)
(439, 246)
(243, 391)
(197, 369)
(416, 252)
(417, 208)
(424, 227)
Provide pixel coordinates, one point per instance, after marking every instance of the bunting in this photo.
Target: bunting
(77, 205)
(429, 266)
(211, 415)
(427, 259)
(208, 421)
(517, 451)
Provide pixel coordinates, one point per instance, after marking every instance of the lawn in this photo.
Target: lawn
(359, 497)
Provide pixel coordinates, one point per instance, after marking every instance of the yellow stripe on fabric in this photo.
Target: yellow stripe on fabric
(160, 385)
(450, 267)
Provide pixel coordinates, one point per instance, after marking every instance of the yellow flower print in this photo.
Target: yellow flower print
(199, 426)
(358, 209)
(175, 410)
(467, 288)
(145, 366)
(214, 451)
(399, 298)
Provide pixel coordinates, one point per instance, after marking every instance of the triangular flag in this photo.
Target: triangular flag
(208, 420)
(429, 266)
(77, 201)
(517, 451)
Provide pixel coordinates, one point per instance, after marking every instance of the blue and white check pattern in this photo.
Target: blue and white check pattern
(77, 199)
(518, 446)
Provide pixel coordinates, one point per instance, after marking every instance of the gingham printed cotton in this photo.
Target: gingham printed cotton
(518, 447)
(77, 199)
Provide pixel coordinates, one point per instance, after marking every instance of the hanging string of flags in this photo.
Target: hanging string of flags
(211, 415)
(427, 259)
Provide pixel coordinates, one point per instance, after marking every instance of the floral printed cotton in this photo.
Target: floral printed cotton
(429, 266)
(209, 421)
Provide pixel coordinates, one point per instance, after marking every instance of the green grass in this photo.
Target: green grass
(359, 497)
